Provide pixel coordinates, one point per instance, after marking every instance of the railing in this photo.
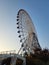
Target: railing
(8, 52)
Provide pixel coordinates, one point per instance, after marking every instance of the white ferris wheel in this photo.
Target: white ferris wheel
(27, 32)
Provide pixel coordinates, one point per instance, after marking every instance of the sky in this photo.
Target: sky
(39, 13)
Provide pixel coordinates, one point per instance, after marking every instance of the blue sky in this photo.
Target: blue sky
(39, 13)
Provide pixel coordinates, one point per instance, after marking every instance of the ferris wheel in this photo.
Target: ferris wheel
(27, 32)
